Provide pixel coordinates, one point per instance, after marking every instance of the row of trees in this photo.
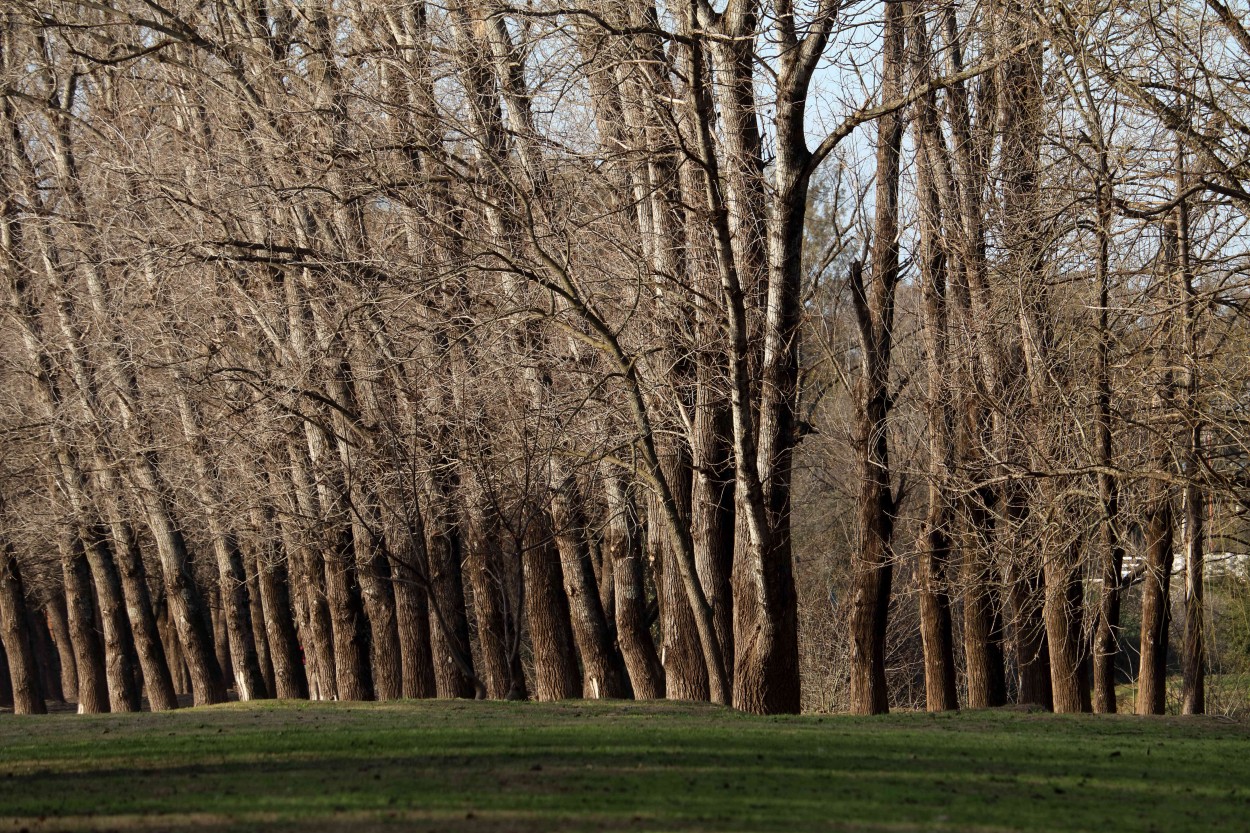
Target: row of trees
(392, 349)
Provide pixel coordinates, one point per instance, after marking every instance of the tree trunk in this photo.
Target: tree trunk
(351, 664)
(18, 643)
(873, 564)
(256, 615)
(1032, 649)
(58, 622)
(603, 672)
(299, 499)
(482, 566)
(1110, 546)
(46, 657)
(1156, 603)
(115, 625)
(1193, 505)
(623, 539)
(173, 647)
(547, 617)
(290, 680)
(151, 652)
(89, 653)
(983, 651)
(449, 624)
(936, 621)
(412, 613)
(681, 652)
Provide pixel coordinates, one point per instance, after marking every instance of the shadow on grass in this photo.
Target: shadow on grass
(551, 768)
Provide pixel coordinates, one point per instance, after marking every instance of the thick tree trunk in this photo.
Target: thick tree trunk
(712, 521)
(623, 540)
(15, 632)
(412, 613)
(173, 647)
(449, 624)
(290, 680)
(148, 646)
(681, 652)
(547, 617)
(236, 646)
(115, 625)
(327, 502)
(350, 631)
(1063, 612)
(1032, 648)
(985, 666)
(482, 566)
(378, 596)
(307, 569)
(88, 652)
(603, 672)
(936, 621)
(6, 682)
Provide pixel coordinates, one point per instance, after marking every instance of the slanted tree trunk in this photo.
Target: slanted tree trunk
(290, 680)
(58, 623)
(623, 538)
(119, 667)
(603, 672)
(256, 615)
(15, 632)
(547, 616)
(485, 580)
(88, 652)
(298, 499)
(681, 654)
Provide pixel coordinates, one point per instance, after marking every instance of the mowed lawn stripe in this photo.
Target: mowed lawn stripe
(442, 765)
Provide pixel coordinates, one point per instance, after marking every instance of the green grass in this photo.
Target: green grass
(464, 766)
(1227, 694)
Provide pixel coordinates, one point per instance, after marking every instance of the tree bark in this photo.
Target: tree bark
(603, 673)
(1156, 603)
(873, 564)
(623, 539)
(18, 643)
(88, 652)
(47, 659)
(273, 590)
(58, 622)
(119, 667)
(547, 616)
(936, 622)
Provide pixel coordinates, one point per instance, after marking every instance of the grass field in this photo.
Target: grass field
(463, 766)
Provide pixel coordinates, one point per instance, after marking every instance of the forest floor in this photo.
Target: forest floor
(490, 766)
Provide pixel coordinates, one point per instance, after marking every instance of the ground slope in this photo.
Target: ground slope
(465, 766)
